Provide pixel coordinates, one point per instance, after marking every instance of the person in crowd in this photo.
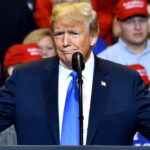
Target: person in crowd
(116, 103)
(133, 46)
(16, 22)
(43, 37)
(17, 55)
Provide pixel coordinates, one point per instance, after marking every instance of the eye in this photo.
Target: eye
(142, 19)
(58, 34)
(48, 48)
(74, 34)
(129, 21)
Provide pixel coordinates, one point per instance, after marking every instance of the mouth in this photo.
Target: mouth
(138, 34)
(68, 51)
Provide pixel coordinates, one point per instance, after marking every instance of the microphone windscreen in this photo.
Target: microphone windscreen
(77, 58)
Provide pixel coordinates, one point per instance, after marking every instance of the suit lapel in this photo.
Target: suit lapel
(98, 100)
(50, 84)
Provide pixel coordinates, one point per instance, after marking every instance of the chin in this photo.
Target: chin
(68, 58)
(68, 65)
(67, 62)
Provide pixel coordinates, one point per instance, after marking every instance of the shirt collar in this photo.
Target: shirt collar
(125, 47)
(89, 68)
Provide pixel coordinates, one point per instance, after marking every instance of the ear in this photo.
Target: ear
(93, 40)
(116, 28)
(149, 25)
(10, 70)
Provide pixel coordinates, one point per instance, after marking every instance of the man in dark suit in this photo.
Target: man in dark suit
(115, 101)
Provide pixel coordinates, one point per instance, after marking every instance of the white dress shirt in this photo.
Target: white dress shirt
(64, 80)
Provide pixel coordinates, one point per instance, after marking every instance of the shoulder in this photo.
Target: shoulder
(115, 69)
(38, 65)
(120, 75)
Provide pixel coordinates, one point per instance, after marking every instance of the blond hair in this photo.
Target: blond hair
(72, 12)
(36, 35)
(60, 1)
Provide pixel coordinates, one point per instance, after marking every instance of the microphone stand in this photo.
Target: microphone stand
(80, 82)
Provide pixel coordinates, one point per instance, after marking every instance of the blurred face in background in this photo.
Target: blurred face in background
(47, 47)
(134, 30)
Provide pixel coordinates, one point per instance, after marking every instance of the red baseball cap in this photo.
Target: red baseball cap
(142, 71)
(22, 53)
(128, 8)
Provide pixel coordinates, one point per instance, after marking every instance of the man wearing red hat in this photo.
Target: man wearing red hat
(133, 47)
(19, 54)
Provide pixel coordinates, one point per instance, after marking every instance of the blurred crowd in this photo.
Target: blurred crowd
(25, 36)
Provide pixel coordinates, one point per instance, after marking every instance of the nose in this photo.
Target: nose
(137, 25)
(66, 40)
(44, 52)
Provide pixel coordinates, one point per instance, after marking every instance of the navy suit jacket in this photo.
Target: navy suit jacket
(29, 100)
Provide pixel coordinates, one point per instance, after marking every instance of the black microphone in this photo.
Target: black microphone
(78, 65)
(78, 62)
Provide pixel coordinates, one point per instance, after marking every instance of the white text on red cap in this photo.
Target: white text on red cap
(133, 4)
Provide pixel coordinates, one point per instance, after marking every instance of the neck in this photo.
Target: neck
(137, 48)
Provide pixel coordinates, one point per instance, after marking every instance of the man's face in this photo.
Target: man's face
(73, 38)
(134, 30)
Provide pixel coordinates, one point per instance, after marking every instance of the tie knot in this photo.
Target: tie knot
(74, 75)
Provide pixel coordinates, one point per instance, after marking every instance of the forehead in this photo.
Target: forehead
(46, 39)
(59, 26)
(136, 17)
